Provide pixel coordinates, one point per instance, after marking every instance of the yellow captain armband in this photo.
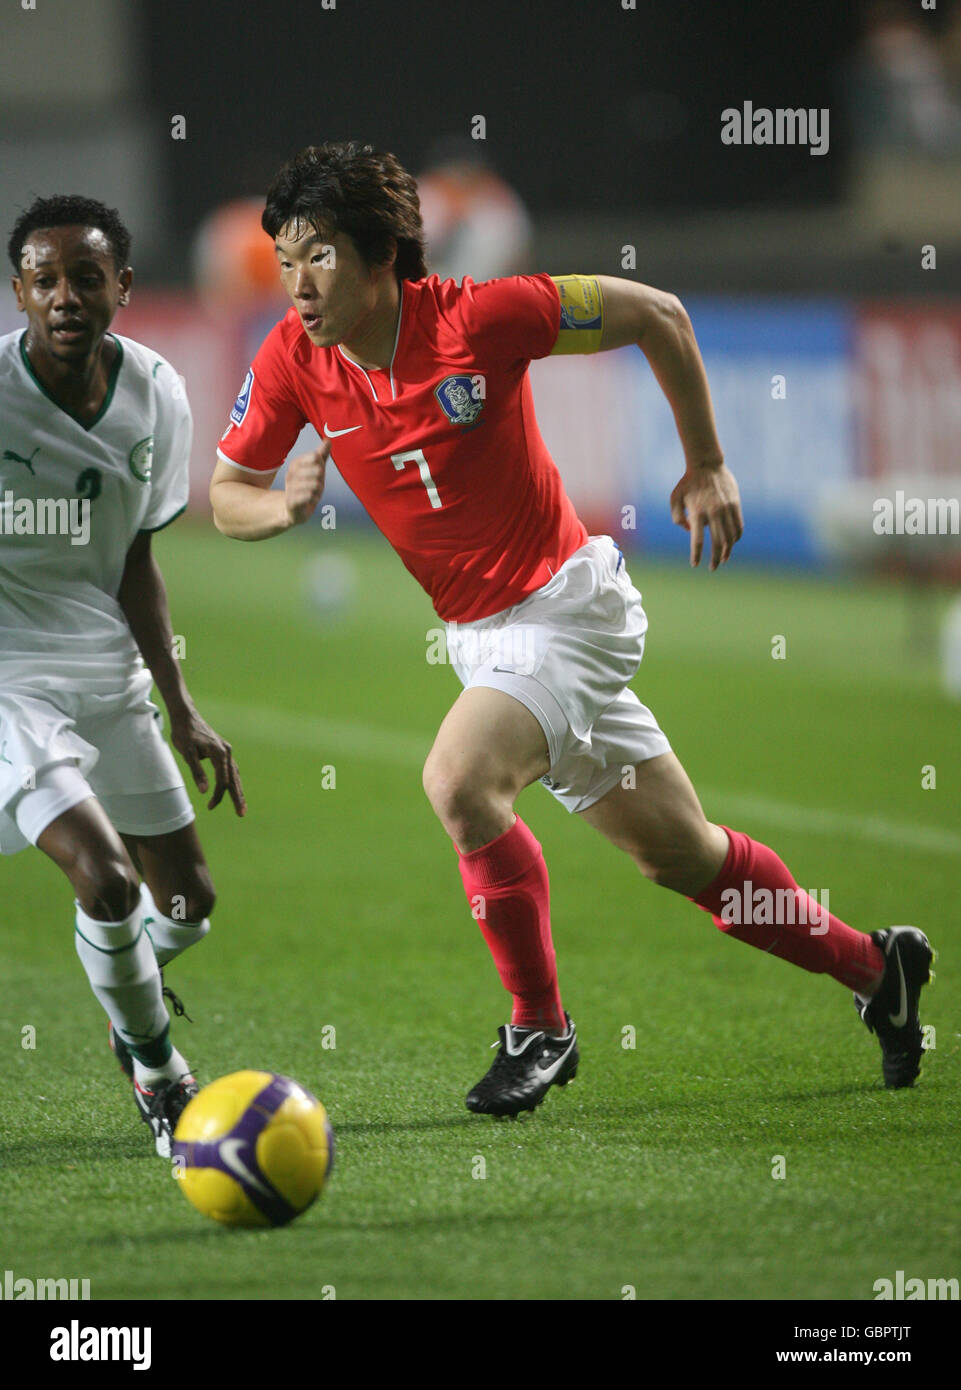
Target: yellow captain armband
(582, 313)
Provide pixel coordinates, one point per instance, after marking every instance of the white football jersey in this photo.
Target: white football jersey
(72, 499)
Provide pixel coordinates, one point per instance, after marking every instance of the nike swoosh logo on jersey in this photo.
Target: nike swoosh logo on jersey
(332, 434)
(230, 1153)
(899, 1019)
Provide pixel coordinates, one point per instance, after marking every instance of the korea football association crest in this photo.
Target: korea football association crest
(459, 399)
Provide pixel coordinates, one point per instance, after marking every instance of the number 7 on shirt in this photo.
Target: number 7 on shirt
(417, 456)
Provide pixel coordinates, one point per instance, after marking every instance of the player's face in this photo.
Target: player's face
(70, 288)
(332, 288)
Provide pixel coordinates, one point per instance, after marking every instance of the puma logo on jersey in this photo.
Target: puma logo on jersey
(18, 458)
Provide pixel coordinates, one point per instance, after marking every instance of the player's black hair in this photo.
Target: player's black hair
(343, 186)
(70, 210)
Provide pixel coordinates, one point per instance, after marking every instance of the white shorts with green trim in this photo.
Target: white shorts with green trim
(59, 749)
(567, 653)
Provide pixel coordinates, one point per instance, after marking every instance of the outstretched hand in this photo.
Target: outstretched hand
(709, 497)
(197, 742)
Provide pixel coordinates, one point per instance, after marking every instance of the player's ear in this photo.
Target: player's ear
(390, 259)
(125, 279)
(17, 284)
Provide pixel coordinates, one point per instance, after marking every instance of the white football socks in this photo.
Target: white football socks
(124, 975)
(169, 936)
(174, 1069)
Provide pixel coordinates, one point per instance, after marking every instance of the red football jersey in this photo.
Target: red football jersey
(442, 449)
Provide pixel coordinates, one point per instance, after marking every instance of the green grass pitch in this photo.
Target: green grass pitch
(342, 905)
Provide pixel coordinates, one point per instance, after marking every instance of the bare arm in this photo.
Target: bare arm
(246, 509)
(658, 324)
(143, 598)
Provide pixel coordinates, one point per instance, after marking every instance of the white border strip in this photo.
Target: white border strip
(258, 472)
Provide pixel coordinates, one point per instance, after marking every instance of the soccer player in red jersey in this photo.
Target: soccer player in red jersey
(420, 390)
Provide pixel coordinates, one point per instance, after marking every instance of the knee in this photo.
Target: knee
(107, 888)
(449, 789)
(460, 796)
(200, 896)
(190, 897)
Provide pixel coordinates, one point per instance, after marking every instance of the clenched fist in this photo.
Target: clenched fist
(304, 485)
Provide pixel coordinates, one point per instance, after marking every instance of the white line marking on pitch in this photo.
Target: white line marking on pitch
(331, 737)
(876, 828)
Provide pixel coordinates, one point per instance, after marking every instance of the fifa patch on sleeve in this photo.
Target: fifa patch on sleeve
(242, 402)
(582, 313)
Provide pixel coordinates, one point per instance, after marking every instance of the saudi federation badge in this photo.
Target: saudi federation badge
(141, 459)
(243, 400)
(457, 399)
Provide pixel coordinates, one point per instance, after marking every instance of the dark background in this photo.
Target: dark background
(587, 105)
(605, 121)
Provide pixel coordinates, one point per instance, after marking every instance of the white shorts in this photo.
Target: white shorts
(58, 750)
(567, 653)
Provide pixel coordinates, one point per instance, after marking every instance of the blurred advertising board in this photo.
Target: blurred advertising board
(812, 398)
(908, 390)
(782, 378)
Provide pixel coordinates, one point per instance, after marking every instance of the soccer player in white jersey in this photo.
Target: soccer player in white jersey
(95, 435)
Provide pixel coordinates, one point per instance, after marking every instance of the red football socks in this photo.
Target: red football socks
(756, 899)
(507, 889)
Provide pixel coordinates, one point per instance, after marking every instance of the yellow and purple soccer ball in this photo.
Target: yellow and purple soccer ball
(253, 1149)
